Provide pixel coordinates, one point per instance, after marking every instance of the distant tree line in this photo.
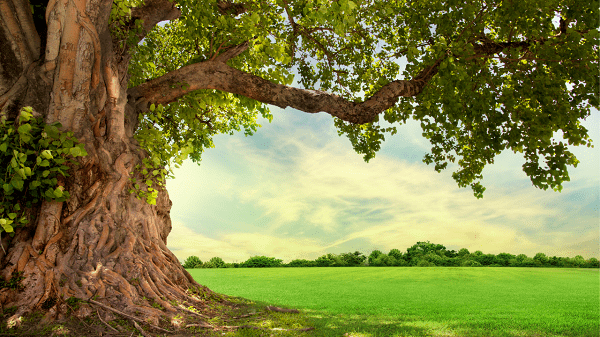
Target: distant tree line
(422, 254)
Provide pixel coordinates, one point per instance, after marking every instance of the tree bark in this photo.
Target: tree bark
(102, 243)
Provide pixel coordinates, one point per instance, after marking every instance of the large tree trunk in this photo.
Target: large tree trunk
(103, 242)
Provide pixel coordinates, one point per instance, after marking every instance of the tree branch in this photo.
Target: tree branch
(153, 12)
(220, 76)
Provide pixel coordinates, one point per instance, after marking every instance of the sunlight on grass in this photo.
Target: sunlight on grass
(499, 302)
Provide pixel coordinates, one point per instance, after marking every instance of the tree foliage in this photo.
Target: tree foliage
(421, 254)
(192, 262)
(480, 77)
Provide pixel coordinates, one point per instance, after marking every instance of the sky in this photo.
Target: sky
(296, 190)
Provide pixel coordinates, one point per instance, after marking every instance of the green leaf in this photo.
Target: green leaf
(25, 128)
(75, 151)
(47, 154)
(7, 228)
(17, 183)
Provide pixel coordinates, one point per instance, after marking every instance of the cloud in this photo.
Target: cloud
(296, 190)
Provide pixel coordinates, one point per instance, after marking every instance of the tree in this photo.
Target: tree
(373, 256)
(325, 261)
(504, 258)
(481, 78)
(396, 253)
(463, 253)
(540, 259)
(353, 259)
(192, 262)
(215, 262)
(261, 262)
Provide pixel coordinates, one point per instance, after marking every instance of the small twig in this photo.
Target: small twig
(278, 309)
(246, 315)
(259, 328)
(101, 320)
(303, 329)
(137, 326)
(128, 316)
(192, 312)
(201, 325)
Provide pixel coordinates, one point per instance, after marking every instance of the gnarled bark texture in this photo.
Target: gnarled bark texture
(103, 242)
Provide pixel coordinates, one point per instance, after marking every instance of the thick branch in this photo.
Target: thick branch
(219, 76)
(153, 12)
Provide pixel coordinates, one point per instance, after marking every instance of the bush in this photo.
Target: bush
(592, 263)
(425, 263)
(470, 263)
(353, 259)
(324, 261)
(527, 262)
(261, 262)
(192, 262)
(401, 263)
(301, 263)
(215, 262)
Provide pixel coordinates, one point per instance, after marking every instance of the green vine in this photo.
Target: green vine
(32, 157)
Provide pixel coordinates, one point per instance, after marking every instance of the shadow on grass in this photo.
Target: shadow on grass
(343, 325)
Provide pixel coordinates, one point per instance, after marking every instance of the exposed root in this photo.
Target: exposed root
(108, 325)
(135, 319)
(137, 326)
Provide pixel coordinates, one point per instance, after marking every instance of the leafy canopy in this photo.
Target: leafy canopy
(508, 74)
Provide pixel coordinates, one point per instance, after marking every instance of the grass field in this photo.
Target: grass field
(425, 301)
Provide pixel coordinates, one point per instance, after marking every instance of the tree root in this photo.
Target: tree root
(108, 325)
(137, 326)
(135, 319)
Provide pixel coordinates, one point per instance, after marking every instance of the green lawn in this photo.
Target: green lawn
(415, 301)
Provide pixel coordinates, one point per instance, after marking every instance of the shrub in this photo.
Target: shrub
(215, 262)
(401, 263)
(301, 263)
(470, 263)
(353, 259)
(192, 262)
(261, 262)
(425, 263)
(324, 261)
(592, 263)
(527, 262)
